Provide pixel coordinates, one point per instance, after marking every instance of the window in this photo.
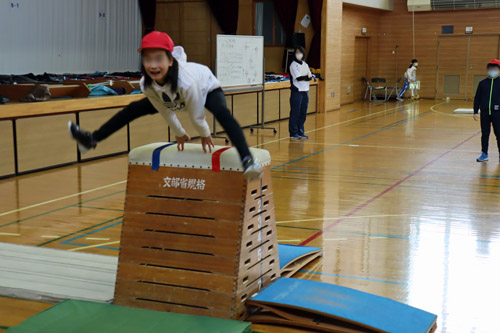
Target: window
(267, 24)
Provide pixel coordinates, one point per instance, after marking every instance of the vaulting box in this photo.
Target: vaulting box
(197, 238)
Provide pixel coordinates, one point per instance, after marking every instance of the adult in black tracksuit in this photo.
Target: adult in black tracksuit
(487, 100)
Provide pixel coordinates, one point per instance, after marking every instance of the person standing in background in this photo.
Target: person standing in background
(487, 100)
(300, 75)
(410, 81)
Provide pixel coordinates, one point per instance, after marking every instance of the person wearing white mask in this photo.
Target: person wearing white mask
(300, 75)
(487, 100)
(410, 81)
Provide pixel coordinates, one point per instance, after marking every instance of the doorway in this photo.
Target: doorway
(360, 67)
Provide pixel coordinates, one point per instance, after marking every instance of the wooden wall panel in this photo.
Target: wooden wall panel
(331, 45)
(168, 19)
(6, 149)
(245, 109)
(357, 51)
(196, 19)
(148, 129)
(360, 68)
(116, 143)
(476, 61)
(272, 105)
(312, 99)
(285, 103)
(44, 141)
(452, 61)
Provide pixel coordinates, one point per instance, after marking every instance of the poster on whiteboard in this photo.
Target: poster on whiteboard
(240, 60)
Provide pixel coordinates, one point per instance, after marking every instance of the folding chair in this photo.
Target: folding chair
(378, 84)
(395, 89)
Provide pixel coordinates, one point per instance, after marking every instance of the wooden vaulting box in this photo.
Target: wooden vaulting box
(197, 238)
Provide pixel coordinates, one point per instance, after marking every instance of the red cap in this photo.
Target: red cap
(157, 40)
(494, 62)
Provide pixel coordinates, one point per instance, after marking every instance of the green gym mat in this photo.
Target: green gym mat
(81, 316)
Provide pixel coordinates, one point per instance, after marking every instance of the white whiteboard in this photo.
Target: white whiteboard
(240, 60)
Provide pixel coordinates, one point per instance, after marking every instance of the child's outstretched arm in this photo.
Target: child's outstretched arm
(196, 109)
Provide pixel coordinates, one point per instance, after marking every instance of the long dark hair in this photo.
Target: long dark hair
(412, 62)
(171, 77)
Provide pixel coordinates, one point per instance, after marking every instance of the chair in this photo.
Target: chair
(378, 84)
(395, 89)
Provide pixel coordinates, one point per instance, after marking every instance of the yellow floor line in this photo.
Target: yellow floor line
(8, 234)
(62, 198)
(49, 236)
(92, 246)
(97, 238)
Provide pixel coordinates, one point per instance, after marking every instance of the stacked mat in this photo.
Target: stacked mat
(82, 316)
(330, 308)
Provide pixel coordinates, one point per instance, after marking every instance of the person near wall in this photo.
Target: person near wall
(410, 81)
(171, 85)
(300, 75)
(487, 100)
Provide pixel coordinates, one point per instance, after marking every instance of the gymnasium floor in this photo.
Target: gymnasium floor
(392, 192)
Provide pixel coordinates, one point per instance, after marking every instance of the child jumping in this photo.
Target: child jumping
(410, 81)
(487, 100)
(171, 84)
(300, 75)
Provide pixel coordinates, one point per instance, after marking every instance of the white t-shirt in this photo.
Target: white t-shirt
(297, 70)
(195, 81)
(411, 74)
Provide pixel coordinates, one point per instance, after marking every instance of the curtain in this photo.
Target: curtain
(314, 58)
(77, 40)
(226, 14)
(287, 13)
(148, 14)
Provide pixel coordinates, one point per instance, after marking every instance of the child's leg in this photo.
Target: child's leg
(402, 91)
(295, 104)
(485, 131)
(216, 104)
(131, 112)
(495, 119)
(303, 111)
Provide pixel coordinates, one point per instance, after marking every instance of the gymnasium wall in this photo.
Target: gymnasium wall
(353, 47)
(61, 36)
(396, 29)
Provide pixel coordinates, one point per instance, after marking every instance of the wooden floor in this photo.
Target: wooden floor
(392, 192)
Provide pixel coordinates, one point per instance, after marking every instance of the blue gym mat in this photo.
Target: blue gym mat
(345, 304)
(290, 253)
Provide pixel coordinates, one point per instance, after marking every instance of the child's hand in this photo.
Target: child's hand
(207, 142)
(476, 117)
(181, 140)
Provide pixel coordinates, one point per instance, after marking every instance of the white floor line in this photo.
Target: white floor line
(62, 198)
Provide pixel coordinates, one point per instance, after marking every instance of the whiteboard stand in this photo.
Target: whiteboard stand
(214, 134)
(262, 111)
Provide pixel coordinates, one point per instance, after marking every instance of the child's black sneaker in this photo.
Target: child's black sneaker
(83, 138)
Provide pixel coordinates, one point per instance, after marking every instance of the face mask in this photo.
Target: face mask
(299, 56)
(493, 73)
(415, 65)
